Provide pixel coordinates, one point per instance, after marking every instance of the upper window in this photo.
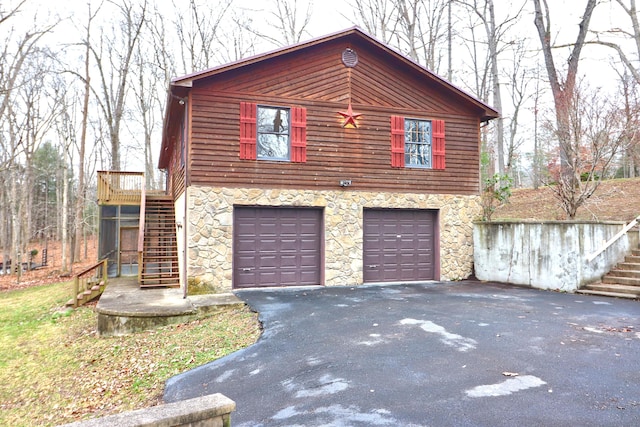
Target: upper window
(273, 133)
(417, 143)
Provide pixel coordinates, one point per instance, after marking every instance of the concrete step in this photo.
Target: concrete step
(607, 294)
(619, 272)
(632, 259)
(619, 280)
(628, 266)
(615, 288)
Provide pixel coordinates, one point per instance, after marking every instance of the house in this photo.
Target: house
(335, 161)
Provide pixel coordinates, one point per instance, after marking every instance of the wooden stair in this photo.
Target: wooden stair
(623, 281)
(94, 291)
(160, 252)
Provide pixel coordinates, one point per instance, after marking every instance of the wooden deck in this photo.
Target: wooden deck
(120, 188)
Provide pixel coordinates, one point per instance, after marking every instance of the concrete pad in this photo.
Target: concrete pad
(124, 297)
(125, 308)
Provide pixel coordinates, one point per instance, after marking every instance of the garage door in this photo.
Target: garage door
(276, 246)
(399, 245)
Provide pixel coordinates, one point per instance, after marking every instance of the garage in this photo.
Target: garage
(276, 246)
(399, 245)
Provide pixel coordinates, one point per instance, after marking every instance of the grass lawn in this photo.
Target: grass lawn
(54, 369)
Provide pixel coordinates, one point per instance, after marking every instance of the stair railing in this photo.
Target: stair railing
(143, 208)
(83, 282)
(614, 239)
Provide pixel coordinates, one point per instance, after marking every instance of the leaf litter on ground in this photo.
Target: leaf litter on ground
(54, 369)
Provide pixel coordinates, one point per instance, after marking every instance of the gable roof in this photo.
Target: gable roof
(180, 86)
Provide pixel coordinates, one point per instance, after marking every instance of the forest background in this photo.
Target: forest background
(83, 87)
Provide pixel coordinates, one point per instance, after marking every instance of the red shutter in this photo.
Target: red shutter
(248, 134)
(397, 141)
(299, 134)
(437, 135)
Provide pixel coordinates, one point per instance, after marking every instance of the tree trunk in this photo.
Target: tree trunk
(82, 192)
(65, 216)
(14, 202)
(563, 92)
(5, 226)
(492, 39)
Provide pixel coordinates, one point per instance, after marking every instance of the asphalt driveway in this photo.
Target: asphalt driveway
(436, 354)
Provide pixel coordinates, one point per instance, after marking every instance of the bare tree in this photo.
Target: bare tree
(630, 95)
(196, 32)
(563, 91)
(288, 21)
(235, 42)
(495, 35)
(82, 188)
(66, 133)
(633, 35)
(418, 28)
(597, 128)
(148, 84)
(377, 17)
(426, 31)
(520, 79)
(114, 67)
(23, 63)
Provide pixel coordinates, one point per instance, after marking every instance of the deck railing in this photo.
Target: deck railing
(611, 241)
(120, 188)
(89, 283)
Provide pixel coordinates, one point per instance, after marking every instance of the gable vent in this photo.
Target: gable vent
(349, 58)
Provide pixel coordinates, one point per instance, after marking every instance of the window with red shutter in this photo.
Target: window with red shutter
(299, 134)
(248, 133)
(417, 143)
(273, 133)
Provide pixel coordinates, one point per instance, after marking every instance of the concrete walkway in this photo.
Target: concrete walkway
(437, 354)
(124, 307)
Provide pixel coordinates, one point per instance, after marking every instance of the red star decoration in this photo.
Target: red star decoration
(349, 117)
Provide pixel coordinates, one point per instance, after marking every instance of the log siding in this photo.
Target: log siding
(315, 79)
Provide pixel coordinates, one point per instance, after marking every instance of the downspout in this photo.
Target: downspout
(185, 154)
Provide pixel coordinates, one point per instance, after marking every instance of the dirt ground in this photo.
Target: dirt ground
(615, 200)
(51, 273)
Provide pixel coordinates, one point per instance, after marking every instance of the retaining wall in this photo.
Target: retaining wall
(207, 411)
(547, 255)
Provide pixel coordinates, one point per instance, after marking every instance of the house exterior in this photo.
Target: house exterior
(336, 161)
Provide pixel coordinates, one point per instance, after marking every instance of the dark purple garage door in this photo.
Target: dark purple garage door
(276, 246)
(399, 245)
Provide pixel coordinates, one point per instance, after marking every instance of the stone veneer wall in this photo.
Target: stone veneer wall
(210, 230)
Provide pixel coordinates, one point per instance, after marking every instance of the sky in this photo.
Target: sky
(329, 16)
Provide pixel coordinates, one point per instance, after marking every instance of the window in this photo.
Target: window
(273, 133)
(417, 143)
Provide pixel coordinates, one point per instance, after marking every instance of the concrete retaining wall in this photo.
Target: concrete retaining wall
(211, 411)
(547, 255)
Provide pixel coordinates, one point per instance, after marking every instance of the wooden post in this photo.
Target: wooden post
(75, 291)
(104, 271)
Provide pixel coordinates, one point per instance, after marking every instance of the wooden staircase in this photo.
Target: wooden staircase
(623, 281)
(160, 248)
(89, 284)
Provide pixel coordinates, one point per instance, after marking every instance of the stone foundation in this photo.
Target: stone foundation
(210, 229)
